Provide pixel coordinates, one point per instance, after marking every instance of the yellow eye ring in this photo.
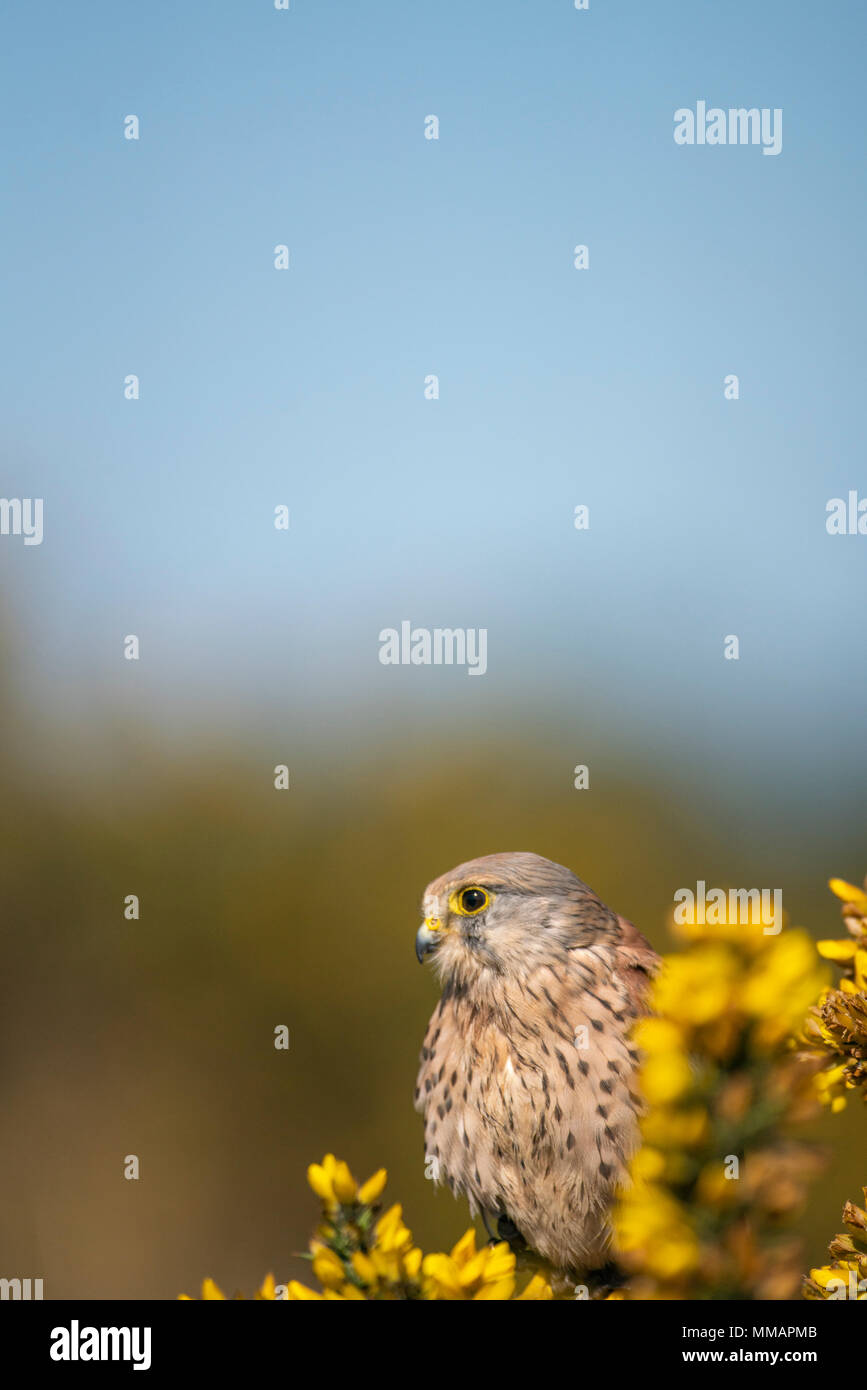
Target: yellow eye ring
(470, 901)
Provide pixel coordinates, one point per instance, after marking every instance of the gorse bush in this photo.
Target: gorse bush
(747, 1039)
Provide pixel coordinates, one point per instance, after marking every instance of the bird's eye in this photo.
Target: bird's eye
(473, 900)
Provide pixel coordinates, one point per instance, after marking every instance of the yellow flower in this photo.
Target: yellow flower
(657, 1035)
(830, 1086)
(673, 1129)
(320, 1178)
(837, 950)
(357, 1259)
(696, 987)
(364, 1267)
(327, 1267)
(212, 1292)
(848, 893)
(780, 986)
(468, 1273)
(334, 1184)
(371, 1191)
(648, 1164)
(332, 1181)
(846, 1274)
(720, 1080)
(665, 1078)
(653, 1229)
(392, 1235)
(538, 1290)
(299, 1293)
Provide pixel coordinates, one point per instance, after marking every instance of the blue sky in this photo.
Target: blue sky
(451, 257)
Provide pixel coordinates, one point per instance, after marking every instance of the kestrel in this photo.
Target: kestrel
(527, 1078)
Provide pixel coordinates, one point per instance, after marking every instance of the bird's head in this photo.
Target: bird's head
(505, 914)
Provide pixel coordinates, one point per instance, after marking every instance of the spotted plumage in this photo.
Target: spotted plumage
(527, 1077)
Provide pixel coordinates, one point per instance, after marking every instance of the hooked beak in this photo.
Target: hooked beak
(427, 937)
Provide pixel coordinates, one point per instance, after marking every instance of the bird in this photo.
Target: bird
(527, 1078)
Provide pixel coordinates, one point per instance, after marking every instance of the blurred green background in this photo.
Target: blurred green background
(261, 908)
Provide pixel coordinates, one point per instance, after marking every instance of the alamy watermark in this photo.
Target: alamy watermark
(22, 516)
(846, 516)
(739, 906)
(439, 646)
(23, 1289)
(77, 1343)
(738, 125)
